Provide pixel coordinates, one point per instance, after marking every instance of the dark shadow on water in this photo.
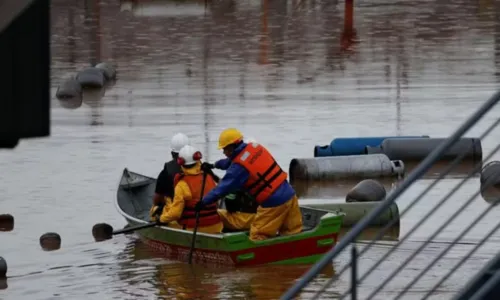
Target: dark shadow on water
(93, 98)
(369, 233)
(330, 190)
(461, 171)
(71, 103)
(3, 284)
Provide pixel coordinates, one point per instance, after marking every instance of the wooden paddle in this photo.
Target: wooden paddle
(104, 231)
(197, 217)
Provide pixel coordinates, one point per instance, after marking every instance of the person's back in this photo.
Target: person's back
(187, 194)
(164, 190)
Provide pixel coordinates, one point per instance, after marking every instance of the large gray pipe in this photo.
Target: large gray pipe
(338, 167)
(357, 210)
(490, 182)
(416, 149)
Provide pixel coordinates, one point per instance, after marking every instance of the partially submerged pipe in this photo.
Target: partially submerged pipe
(368, 190)
(353, 145)
(355, 166)
(355, 211)
(68, 89)
(107, 70)
(412, 149)
(490, 182)
(91, 78)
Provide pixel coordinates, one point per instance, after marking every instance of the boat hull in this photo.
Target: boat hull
(319, 235)
(304, 251)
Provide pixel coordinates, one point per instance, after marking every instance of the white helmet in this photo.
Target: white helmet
(250, 140)
(178, 141)
(188, 156)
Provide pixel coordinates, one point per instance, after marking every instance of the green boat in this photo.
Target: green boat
(320, 233)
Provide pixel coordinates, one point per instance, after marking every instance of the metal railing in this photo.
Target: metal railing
(448, 218)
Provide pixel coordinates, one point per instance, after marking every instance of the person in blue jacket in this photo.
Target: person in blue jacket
(278, 210)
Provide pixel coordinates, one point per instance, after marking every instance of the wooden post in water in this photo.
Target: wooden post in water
(349, 33)
(264, 39)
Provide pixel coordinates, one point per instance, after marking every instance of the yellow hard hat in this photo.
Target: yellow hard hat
(229, 136)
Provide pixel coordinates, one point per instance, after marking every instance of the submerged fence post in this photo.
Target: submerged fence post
(349, 33)
(354, 272)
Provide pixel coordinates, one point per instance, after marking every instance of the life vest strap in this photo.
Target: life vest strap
(262, 177)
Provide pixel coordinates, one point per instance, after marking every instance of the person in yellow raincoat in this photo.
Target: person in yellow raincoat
(254, 170)
(164, 190)
(187, 194)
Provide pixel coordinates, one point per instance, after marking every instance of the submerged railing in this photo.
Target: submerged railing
(421, 266)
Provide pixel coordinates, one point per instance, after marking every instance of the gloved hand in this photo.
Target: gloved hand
(199, 205)
(207, 167)
(155, 212)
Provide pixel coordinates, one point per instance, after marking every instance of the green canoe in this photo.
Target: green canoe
(320, 233)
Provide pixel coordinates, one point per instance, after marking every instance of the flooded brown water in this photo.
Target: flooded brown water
(278, 71)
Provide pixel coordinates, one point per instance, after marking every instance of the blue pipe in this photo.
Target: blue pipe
(353, 146)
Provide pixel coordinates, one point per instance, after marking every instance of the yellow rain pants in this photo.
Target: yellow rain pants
(284, 219)
(236, 220)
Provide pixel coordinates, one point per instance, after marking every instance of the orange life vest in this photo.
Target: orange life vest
(265, 173)
(208, 215)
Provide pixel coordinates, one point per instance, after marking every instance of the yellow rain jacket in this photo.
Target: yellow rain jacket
(182, 194)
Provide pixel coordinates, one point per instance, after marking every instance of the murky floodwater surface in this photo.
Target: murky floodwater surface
(281, 72)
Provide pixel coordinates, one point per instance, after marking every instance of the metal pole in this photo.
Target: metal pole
(354, 272)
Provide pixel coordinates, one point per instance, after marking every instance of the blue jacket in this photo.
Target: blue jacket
(235, 178)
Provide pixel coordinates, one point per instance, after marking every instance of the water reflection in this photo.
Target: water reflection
(370, 233)
(92, 25)
(497, 40)
(93, 98)
(332, 190)
(172, 279)
(3, 284)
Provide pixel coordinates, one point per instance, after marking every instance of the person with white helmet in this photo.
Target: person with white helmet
(188, 186)
(164, 190)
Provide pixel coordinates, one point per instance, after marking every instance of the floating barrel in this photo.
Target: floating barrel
(107, 70)
(6, 222)
(91, 78)
(355, 211)
(490, 182)
(368, 190)
(3, 268)
(50, 241)
(354, 166)
(411, 149)
(69, 88)
(352, 146)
